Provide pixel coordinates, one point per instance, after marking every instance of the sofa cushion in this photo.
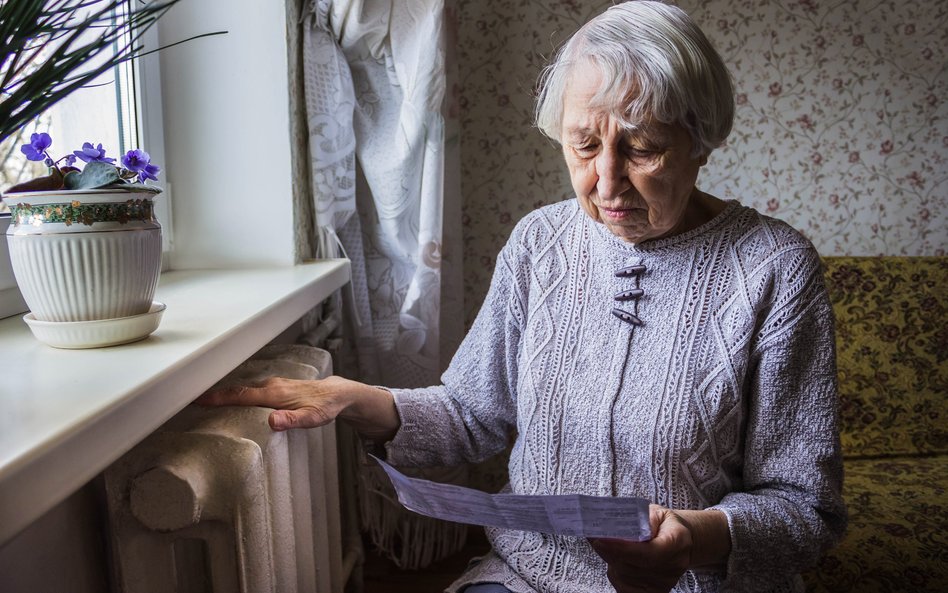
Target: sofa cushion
(897, 540)
(892, 345)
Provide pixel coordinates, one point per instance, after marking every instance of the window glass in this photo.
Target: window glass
(102, 112)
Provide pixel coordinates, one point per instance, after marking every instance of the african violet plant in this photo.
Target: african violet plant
(99, 171)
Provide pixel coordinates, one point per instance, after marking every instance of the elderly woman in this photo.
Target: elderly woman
(645, 339)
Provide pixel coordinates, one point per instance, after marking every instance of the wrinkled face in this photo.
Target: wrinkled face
(636, 182)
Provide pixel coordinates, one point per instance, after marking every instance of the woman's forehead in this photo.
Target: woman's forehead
(588, 106)
(584, 120)
(583, 83)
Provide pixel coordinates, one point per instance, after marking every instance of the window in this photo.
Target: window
(103, 112)
(106, 111)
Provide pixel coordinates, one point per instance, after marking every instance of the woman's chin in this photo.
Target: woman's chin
(629, 233)
(636, 233)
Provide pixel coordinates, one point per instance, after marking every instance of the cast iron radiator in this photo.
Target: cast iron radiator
(215, 502)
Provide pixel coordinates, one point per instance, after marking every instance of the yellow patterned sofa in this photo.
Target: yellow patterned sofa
(892, 342)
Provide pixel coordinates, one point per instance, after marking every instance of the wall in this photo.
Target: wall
(65, 550)
(226, 119)
(841, 123)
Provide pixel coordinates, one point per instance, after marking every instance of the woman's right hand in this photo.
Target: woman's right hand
(312, 403)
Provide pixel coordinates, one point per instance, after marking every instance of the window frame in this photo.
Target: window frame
(146, 72)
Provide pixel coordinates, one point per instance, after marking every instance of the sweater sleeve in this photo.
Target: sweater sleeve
(789, 510)
(472, 414)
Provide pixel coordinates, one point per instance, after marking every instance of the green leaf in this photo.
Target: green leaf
(132, 187)
(95, 175)
(46, 54)
(71, 179)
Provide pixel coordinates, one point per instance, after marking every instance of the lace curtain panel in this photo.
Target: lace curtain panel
(386, 194)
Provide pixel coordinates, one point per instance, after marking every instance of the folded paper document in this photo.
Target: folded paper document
(566, 514)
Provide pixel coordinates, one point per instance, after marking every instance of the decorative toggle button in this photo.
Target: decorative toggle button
(628, 295)
(627, 317)
(630, 271)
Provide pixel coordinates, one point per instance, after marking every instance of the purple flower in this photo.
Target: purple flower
(149, 172)
(70, 160)
(139, 161)
(89, 153)
(136, 160)
(36, 149)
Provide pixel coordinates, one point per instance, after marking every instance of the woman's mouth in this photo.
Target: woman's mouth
(616, 214)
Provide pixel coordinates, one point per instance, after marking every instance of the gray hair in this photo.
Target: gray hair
(655, 64)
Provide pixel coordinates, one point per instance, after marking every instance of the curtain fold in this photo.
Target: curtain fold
(375, 78)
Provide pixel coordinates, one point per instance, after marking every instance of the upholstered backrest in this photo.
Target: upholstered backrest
(892, 344)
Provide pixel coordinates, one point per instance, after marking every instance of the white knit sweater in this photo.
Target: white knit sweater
(723, 396)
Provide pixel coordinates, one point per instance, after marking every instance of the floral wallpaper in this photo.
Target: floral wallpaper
(842, 123)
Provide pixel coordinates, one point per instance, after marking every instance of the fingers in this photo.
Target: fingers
(620, 547)
(283, 420)
(627, 570)
(302, 418)
(271, 393)
(654, 565)
(297, 403)
(639, 573)
(231, 395)
(618, 552)
(656, 515)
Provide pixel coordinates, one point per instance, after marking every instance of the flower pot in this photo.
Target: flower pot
(84, 255)
(11, 302)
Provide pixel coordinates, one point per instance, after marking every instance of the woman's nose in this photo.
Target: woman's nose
(612, 176)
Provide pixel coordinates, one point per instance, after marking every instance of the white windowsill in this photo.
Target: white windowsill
(65, 415)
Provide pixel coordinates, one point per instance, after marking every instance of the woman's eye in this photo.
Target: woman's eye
(586, 149)
(635, 152)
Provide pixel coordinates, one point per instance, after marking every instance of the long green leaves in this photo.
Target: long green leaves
(47, 52)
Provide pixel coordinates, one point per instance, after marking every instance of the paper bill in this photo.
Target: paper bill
(568, 514)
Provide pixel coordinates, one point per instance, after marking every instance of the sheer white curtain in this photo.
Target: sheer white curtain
(375, 80)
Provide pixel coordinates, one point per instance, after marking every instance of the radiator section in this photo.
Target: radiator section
(216, 502)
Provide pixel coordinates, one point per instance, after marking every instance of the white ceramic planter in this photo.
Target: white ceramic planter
(85, 255)
(11, 301)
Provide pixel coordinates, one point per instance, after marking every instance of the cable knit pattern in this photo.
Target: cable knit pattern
(724, 396)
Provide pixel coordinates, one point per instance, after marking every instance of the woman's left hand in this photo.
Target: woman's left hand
(680, 540)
